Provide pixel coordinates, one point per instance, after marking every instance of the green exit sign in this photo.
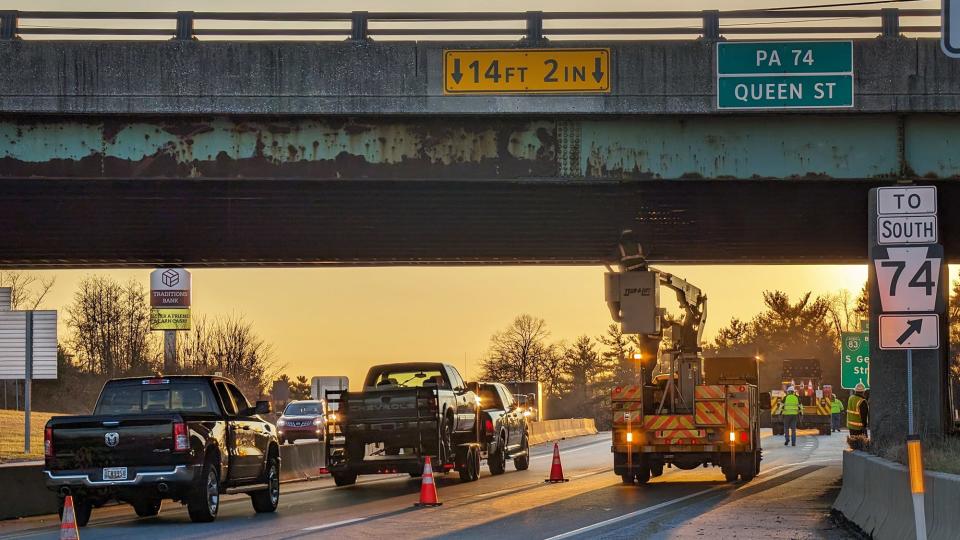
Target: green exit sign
(854, 359)
(784, 75)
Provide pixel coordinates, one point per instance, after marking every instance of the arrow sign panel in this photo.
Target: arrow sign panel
(909, 278)
(921, 331)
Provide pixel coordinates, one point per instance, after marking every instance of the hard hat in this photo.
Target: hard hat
(859, 387)
(791, 389)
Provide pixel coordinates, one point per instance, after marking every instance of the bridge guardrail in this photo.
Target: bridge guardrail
(529, 26)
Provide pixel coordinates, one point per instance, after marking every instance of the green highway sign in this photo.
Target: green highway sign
(784, 74)
(854, 359)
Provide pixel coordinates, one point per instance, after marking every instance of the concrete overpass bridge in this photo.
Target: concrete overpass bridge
(355, 152)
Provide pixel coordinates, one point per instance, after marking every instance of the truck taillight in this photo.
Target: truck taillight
(181, 441)
(743, 436)
(427, 403)
(488, 426)
(48, 442)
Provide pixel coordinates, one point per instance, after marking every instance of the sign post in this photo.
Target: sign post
(28, 379)
(784, 75)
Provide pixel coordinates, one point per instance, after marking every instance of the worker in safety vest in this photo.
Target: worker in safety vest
(791, 413)
(836, 408)
(858, 413)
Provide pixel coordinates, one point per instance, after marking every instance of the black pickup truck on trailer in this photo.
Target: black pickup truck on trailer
(185, 438)
(405, 413)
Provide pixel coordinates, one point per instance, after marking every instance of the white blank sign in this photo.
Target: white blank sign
(13, 326)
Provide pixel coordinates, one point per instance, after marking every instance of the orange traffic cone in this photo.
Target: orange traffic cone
(68, 524)
(428, 490)
(556, 470)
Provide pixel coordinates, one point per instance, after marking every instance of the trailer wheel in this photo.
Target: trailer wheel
(746, 467)
(656, 470)
(627, 478)
(470, 470)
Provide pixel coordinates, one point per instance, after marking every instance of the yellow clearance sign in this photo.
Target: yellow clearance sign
(170, 319)
(517, 71)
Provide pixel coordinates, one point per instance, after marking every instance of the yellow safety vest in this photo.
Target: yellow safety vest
(791, 405)
(853, 412)
(836, 406)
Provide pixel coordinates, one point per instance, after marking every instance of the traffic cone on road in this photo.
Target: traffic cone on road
(68, 524)
(428, 490)
(556, 470)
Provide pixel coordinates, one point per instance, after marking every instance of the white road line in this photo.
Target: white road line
(790, 466)
(335, 524)
(647, 510)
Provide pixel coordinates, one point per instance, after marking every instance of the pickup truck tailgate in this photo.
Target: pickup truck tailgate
(387, 406)
(81, 442)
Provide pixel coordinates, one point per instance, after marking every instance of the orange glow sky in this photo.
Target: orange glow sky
(336, 321)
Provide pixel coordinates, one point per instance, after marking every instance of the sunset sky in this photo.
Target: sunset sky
(336, 321)
(339, 321)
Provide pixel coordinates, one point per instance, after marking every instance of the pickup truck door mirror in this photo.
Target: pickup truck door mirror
(262, 407)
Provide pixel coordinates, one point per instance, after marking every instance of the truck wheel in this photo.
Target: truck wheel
(446, 441)
(204, 504)
(746, 467)
(266, 500)
(656, 470)
(627, 478)
(730, 473)
(643, 474)
(345, 479)
(81, 510)
(497, 462)
(147, 507)
(522, 462)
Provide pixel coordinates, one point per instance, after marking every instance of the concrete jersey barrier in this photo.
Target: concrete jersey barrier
(554, 430)
(876, 497)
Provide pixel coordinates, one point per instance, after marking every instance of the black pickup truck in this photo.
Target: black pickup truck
(185, 438)
(504, 419)
(405, 412)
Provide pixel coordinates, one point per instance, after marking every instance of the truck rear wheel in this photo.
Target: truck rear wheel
(747, 466)
(345, 478)
(497, 461)
(643, 474)
(267, 500)
(204, 503)
(522, 462)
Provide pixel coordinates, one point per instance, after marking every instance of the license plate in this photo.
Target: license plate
(115, 473)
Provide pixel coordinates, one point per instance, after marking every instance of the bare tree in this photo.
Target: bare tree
(27, 290)
(229, 345)
(516, 352)
(111, 327)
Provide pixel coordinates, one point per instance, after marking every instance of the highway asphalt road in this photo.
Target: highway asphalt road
(789, 499)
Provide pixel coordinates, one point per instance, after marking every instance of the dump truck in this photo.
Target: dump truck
(806, 376)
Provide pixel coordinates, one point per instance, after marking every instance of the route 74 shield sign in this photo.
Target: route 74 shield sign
(908, 278)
